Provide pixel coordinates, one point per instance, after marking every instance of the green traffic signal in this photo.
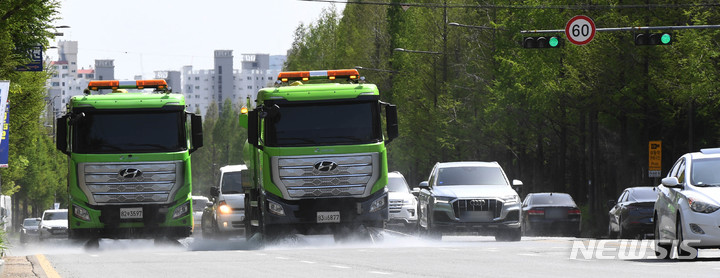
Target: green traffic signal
(653, 39)
(542, 42)
(665, 38)
(553, 42)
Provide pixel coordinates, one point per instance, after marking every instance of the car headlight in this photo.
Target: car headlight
(224, 208)
(700, 206)
(510, 199)
(443, 200)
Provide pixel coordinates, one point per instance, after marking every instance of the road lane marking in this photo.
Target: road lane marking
(529, 255)
(47, 267)
(340, 266)
(281, 258)
(307, 262)
(380, 272)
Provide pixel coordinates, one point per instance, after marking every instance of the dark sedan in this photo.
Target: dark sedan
(631, 216)
(550, 214)
(29, 229)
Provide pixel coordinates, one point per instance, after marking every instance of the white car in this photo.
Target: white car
(402, 203)
(686, 212)
(227, 215)
(53, 224)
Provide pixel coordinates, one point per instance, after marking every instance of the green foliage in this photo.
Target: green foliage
(575, 119)
(223, 142)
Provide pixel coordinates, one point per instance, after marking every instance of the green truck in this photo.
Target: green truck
(317, 157)
(129, 161)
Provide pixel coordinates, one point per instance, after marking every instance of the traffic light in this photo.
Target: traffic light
(653, 39)
(542, 42)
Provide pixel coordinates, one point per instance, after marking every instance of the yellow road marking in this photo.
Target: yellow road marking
(47, 267)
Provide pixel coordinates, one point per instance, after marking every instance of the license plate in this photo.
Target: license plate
(328, 217)
(131, 213)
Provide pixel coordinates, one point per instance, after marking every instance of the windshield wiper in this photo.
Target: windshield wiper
(709, 185)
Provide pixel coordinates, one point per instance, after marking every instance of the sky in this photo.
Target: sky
(144, 36)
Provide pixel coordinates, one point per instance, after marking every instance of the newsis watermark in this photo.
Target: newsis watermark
(630, 249)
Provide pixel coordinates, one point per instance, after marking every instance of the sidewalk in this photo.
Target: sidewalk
(21, 267)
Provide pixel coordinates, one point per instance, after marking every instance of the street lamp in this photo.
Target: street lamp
(417, 51)
(474, 26)
(372, 69)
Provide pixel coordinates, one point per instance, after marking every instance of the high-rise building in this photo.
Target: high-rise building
(204, 87)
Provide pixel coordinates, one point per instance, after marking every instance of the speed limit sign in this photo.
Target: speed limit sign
(580, 30)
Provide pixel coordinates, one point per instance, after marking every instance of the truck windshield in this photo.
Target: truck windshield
(324, 124)
(141, 132)
(232, 183)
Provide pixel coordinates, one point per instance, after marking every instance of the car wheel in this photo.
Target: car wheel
(622, 233)
(430, 231)
(686, 251)
(662, 251)
(611, 234)
(525, 228)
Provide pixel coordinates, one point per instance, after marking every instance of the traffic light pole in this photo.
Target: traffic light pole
(639, 28)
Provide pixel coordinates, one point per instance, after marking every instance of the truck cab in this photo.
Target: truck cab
(317, 156)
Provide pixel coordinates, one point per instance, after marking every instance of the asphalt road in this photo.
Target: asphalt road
(395, 256)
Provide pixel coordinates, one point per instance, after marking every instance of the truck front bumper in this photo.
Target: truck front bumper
(311, 214)
(106, 222)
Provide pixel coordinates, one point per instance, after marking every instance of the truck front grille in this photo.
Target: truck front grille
(130, 183)
(342, 175)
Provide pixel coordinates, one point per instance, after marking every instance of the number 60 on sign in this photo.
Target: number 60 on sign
(580, 30)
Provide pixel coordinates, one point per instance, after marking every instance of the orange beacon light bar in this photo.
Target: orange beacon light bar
(134, 84)
(318, 74)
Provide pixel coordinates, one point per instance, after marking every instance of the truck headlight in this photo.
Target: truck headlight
(276, 208)
(703, 207)
(81, 213)
(377, 204)
(181, 210)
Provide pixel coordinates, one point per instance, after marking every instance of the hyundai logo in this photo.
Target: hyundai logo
(130, 173)
(325, 166)
(477, 203)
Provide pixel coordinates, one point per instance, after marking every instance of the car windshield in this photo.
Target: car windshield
(232, 183)
(397, 184)
(644, 195)
(129, 132)
(31, 222)
(471, 175)
(556, 199)
(325, 124)
(58, 215)
(705, 172)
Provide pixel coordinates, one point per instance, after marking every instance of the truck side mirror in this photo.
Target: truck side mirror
(245, 179)
(61, 140)
(197, 132)
(391, 119)
(252, 124)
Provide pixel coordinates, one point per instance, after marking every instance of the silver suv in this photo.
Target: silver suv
(469, 197)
